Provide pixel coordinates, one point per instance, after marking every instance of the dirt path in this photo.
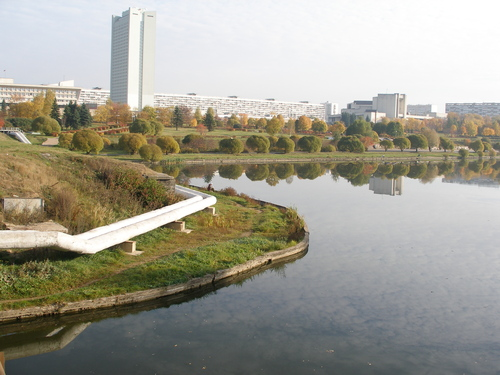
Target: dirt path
(53, 141)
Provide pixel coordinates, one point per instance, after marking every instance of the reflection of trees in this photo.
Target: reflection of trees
(257, 172)
(283, 171)
(430, 174)
(232, 172)
(446, 167)
(360, 180)
(349, 170)
(199, 170)
(309, 171)
(171, 170)
(476, 166)
(383, 169)
(399, 170)
(272, 179)
(417, 170)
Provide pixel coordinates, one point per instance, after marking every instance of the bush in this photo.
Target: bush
(309, 143)
(463, 153)
(285, 144)
(190, 138)
(141, 126)
(231, 146)
(258, 143)
(350, 143)
(168, 145)
(45, 125)
(328, 148)
(65, 140)
(20, 122)
(131, 142)
(151, 153)
(87, 141)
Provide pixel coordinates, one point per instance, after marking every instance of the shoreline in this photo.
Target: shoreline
(190, 287)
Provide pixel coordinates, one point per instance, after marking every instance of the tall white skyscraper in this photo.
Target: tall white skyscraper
(133, 43)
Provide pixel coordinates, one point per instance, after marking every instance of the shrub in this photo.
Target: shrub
(142, 127)
(20, 122)
(285, 144)
(131, 142)
(190, 138)
(328, 148)
(231, 146)
(258, 143)
(45, 125)
(65, 140)
(151, 153)
(87, 141)
(350, 143)
(309, 143)
(463, 153)
(168, 145)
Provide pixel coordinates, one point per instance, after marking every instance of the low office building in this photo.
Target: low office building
(483, 109)
(11, 92)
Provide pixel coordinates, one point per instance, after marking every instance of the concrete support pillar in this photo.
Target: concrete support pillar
(178, 226)
(210, 210)
(129, 248)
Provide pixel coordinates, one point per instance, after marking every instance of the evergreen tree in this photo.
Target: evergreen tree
(54, 113)
(177, 118)
(85, 116)
(210, 119)
(4, 108)
(72, 116)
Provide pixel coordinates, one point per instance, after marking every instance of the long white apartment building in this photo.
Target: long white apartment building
(64, 91)
(483, 109)
(226, 106)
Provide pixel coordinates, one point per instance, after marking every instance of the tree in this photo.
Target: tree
(285, 144)
(198, 116)
(102, 114)
(309, 143)
(157, 127)
(88, 141)
(477, 145)
(210, 119)
(45, 125)
(177, 118)
(432, 137)
(350, 143)
(446, 144)
(151, 153)
(402, 143)
(85, 116)
(54, 112)
(337, 128)
(304, 123)
(132, 142)
(258, 143)
(141, 126)
(148, 113)
(417, 141)
(463, 153)
(380, 128)
(231, 146)
(360, 127)
(71, 116)
(387, 144)
(274, 126)
(319, 126)
(395, 129)
(261, 123)
(168, 144)
(348, 118)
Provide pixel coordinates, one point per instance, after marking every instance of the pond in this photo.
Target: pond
(401, 277)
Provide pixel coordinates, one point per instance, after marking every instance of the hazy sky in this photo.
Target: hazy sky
(435, 51)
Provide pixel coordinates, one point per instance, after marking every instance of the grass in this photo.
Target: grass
(38, 277)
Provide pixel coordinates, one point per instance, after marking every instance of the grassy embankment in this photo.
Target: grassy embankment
(242, 230)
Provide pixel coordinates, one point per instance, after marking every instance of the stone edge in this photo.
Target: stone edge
(151, 294)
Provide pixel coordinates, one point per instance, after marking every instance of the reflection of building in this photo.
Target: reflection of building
(480, 181)
(386, 186)
(133, 43)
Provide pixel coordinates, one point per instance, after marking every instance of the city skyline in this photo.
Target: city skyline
(434, 52)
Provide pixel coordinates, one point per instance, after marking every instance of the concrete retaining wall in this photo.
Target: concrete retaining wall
(147, 295)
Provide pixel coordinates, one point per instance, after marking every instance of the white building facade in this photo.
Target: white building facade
(64, 91)
(133, 44)
(483, 109)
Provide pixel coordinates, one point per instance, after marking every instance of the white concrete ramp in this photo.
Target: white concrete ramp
(17, 133)
(104, 237)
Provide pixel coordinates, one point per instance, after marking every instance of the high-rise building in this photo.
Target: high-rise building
(133, 43)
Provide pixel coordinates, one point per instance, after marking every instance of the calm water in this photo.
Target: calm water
(392, 284)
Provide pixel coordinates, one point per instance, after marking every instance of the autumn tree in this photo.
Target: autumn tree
(477, 145)
(147, 113)
(168, 144)
(446, 144)
(198, 115)
(303, 123)
(337, 129)
(65, 140)
(402, 143)
(164, 115)
(319, 126)
(274, 126)
(88, 141)
(432, 137)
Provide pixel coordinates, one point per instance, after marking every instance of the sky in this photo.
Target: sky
(434, 51)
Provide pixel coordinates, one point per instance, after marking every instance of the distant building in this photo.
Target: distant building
(133, 43)
(394, 105)
(483, 109)
(93, 97)
(11, 92)
(421, 109)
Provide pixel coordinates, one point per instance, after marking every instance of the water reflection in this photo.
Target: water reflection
(357, 173)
